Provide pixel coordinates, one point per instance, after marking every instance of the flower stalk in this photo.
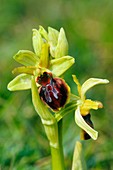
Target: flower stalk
(57, 153)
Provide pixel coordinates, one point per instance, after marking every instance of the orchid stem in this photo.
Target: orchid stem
(57, 153)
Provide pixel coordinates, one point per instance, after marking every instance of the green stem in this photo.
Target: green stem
(57, 153)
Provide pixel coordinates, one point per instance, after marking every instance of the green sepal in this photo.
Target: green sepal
(46, 116)
(26, 58)
(90, 83)
(37, 42)
(60, 65)
(52, 40)
(43, 32)
(20, 82)
(83, 125)
(27, 70)
(62, 45)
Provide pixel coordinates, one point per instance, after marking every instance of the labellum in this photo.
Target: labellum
(87, 119)
(53, 91)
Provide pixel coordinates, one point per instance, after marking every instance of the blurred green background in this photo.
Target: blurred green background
(89, 29)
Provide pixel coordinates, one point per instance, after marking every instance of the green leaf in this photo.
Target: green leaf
(90, 83)
(26, 58)
(78, 161)
(53, 40)
(83, 125)
(62, 45)
(37, 42)
(21, 82)
(60, 65)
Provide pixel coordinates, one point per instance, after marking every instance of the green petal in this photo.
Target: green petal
(26, 58)
(77, 83)
(44, 57)
(60, 65)
(90, 83)
(37, 42)
(27, 70)
(53, 40)
(21, 82)
(88, 105)
(82, 124)
(62, 45)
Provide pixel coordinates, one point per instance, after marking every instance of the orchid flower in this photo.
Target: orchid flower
(50, 54)
(48, 60)
(82, 113)
(40, 73)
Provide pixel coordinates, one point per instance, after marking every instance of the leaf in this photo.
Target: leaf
(26, 57)
(60, 65)
(83, 125)
(21, 82)
(90, 83)
(78, 161)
